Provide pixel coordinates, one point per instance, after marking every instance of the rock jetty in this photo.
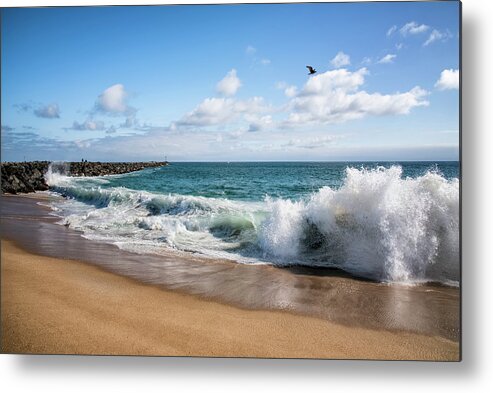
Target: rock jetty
(24, 177)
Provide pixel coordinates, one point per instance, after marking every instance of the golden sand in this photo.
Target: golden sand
(51, 305)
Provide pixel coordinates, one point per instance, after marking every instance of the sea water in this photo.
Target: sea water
(392, 222)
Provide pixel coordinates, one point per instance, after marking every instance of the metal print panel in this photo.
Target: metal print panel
(257, 180)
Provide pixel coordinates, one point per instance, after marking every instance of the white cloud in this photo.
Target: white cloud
(399, 46)
(340, 60)
(387, 59)
(229, 85)
(113, 100)
(341, 79)
(265, 61)
(88, 125)
(50, 111)
(391, 31)
(437, 35)
(413, 28)
(366, 61)
(449, 80)
(290, 91)
(221, 111)
(335, 96)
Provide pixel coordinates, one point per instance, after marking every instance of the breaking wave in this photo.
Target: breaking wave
(377, 225)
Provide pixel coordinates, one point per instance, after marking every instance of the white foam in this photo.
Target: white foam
(377, 225)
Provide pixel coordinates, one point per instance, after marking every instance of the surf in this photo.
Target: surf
(378, 224)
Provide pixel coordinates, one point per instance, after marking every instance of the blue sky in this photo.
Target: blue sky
(229, 82)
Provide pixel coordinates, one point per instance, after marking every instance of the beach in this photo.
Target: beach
(55, 302)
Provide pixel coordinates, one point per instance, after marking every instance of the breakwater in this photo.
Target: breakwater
(24, 177)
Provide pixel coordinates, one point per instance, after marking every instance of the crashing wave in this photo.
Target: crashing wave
(377, 225)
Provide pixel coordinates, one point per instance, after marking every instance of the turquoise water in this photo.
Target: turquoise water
(253, 181)
(396, 222)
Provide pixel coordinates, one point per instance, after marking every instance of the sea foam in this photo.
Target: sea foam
(377, 225)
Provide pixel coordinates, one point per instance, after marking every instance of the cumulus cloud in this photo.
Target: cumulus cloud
(437, 35)
(341, 80)
(88, 125)
(413, 28)
(335, 96)
(387, 59)
(229, 85)
(220, 111)
(449, 80)
(50, 111)
(113, 100)
(340, 60)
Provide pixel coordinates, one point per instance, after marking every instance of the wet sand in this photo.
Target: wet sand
(235, 310)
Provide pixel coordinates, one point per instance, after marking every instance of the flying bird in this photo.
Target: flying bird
(312, 71)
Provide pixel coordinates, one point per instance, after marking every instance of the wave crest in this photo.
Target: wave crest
(377, 225)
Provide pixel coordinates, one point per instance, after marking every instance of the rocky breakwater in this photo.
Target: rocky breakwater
(24, 177)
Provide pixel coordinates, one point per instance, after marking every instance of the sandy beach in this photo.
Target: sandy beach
(60, 305)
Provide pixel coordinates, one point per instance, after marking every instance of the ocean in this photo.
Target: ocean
(391, 222)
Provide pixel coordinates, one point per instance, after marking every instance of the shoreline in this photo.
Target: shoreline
(376, 311)
(55, 306)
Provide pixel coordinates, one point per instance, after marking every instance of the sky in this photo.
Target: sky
(230, 83)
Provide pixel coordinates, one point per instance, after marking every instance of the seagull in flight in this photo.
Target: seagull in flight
(311, 70)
